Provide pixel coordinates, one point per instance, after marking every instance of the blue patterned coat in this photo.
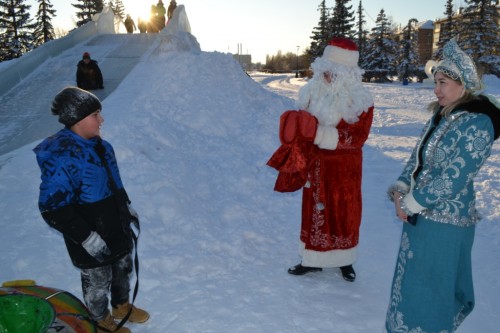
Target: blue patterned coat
(77, 198)
(438, 177)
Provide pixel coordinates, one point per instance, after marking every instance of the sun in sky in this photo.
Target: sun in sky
(138, 9)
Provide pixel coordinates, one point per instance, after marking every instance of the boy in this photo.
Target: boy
(82, 196)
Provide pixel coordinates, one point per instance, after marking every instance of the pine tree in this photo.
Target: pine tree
(118, 8)
(320, 33)
(16, 29)
(447, 30)
(44, 31)
(380, 56)
(341, 23)
(408, 60)
(111, 4)
(480, 35)
(361, 35)
(87, 9)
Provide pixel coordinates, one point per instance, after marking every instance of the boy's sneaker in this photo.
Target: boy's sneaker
(110, 324)
(136, 316)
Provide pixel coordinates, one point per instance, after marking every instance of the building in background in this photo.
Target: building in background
(425, 41)
(245, 61)
(424, 34)
(457, 17)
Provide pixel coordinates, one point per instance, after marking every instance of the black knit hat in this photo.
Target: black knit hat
(73, 104)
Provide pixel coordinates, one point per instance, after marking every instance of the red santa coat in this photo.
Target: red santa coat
(332, 202)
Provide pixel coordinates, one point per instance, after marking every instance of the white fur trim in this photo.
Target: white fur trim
(342, 56)
(332, 258)
(402, 185)
(412, 204)
(304, 97)
(327, 137)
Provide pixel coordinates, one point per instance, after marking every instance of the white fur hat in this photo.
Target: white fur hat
(343, 51)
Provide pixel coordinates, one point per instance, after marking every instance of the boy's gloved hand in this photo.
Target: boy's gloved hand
(96, 246)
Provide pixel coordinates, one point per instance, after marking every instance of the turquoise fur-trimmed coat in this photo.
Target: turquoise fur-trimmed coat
(438, 178)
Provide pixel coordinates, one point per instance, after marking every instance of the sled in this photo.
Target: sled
(26, 307)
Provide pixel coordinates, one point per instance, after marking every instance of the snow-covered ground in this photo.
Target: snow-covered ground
(193, 133)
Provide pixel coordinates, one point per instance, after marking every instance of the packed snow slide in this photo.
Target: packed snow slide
(25, 108)
(14, 71)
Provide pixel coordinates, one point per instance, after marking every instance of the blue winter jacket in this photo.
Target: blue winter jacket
(438, 177)
(76, 196)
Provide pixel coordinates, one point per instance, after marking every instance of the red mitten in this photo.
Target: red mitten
(353, 136)
(307, 124)
(288, 126)
(345, 139)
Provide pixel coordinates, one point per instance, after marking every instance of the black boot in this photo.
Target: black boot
(301, 270)
(348, 273)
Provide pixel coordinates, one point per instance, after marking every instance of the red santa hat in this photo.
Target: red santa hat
(343, 51)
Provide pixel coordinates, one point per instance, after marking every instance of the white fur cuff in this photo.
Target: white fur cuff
(327, 137)
(411, 204)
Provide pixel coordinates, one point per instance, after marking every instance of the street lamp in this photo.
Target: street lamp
(297, 72)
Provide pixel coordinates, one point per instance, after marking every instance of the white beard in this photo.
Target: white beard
(344, 98)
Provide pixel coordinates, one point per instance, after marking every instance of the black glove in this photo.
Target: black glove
(96, 246)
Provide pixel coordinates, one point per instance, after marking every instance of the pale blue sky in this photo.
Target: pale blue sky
(262, 26)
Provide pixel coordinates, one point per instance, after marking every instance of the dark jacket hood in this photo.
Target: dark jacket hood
(482, 104)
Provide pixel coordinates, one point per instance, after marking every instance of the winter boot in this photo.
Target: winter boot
(109, 323)
(348, 273)
(136, 316)
(301, 270)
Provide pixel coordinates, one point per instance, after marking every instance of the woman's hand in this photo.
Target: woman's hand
(398, 196)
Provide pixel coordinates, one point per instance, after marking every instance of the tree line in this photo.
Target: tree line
(389, 50)
(19, 33)
(385, 51)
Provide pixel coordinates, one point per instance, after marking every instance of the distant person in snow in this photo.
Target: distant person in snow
(434, 197)
(88, 74)
(129, 24)
(152, 25)
(82, 196)
(160, 15)
(170, 10)
(322, 144)
(142, 25)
